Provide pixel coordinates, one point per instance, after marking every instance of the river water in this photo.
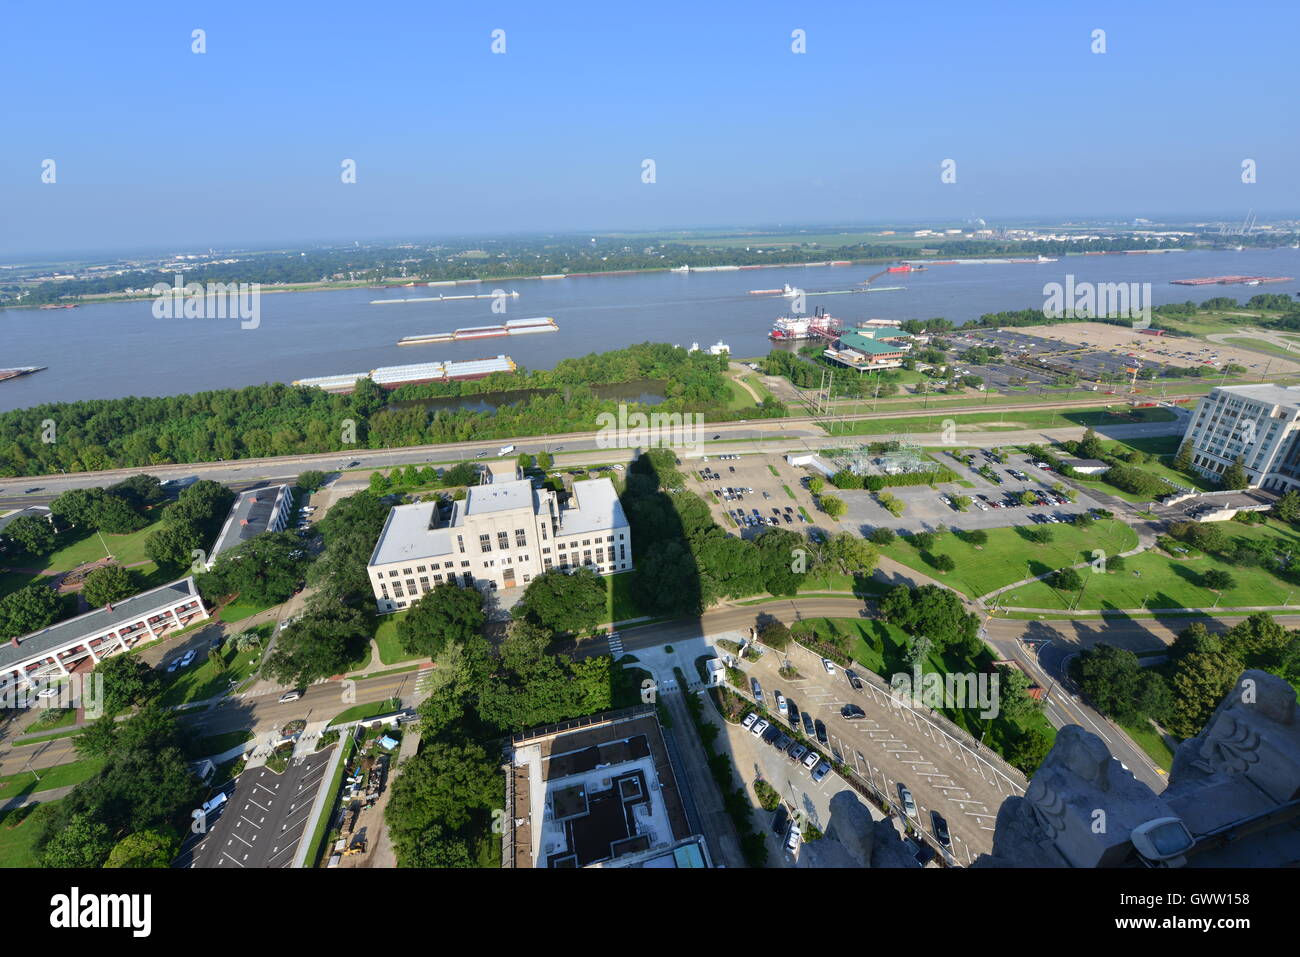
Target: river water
(119, 349)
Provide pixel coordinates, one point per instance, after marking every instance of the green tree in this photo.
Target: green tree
(833, 507)
(128, 681)
(1111, 678)
(81, 842)
(1216, 579)
(173, 545)
(1234, 476)
(883, 536)
(29, 609)
(311, 480)
(446, 614)
(564, 603)
(324, 642)
(1067, 579)
(943, 562)
(775, 634)
(32, 533)
(440, 790)
(265, 569)
(816, 485)
(149, 848)
(108, 584)
(977, 537)
(1287, 507)
(1200, 682)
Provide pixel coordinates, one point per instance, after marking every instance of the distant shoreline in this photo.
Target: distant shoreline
(423, 284)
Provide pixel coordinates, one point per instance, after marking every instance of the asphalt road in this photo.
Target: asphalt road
(794, 434)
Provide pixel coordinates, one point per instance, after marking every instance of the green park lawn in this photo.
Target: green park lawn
(201, 679)
(1166, 582)
(1010, 557)
(59, 776)
(391, 651)
(17, 844)
(1009, 420)
(619, 603)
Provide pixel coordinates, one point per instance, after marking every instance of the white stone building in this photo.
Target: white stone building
(500, 536)
(1258, 424)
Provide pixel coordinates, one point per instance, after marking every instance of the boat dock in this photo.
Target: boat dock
(1230, 280)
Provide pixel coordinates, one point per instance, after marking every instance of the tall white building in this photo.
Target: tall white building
(1258, 424)
(499, 537)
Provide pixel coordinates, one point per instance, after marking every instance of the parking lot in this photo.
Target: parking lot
(263, 819)
(747, 497)
(887, 744)
(994, 504)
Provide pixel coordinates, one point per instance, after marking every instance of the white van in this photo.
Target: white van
(506, 449)
(209, 806)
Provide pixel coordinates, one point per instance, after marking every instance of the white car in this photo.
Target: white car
(812, 760)
(759, 727)
(780, 704)
(829, 666)
(51, 692)
(749, 720)
(189, 656)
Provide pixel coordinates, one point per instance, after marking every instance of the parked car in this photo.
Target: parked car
(290, 696)
(782, 741)
(176, 663)
(821, 771)
(851, 712)
(793, 715)
(781, 820)
(748, 721)
(905, 796)
(797, 751)
(854, 680)
(759, 727)
(188, 657)
(780, 703)
(829, 666)
(821, 730)
(756, 688)
(793, 838)
(808, 725)
(940, 829)
(811, 760)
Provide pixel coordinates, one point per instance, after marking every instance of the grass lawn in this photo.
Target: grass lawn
(1172, 583)
(239, 609)
(52, 719)
(1008, 420)
(12, 581)
(362, 711)
(391, 651)
(202, 680)
(17, 843)
(1149, 740)
(739, 398)
(219, 743)
(59, 776)
(1009, 557)
(619, 603)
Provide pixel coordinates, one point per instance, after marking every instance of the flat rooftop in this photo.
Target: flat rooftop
(249, 517)
(1272, 394)
(594, 507)
(64, 633)
(598, 790)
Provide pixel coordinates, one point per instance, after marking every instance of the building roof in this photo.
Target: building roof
(1085, 463)
(250, 516)
(594, 507)
(1272, 394)
(68, 632)
(856, 340)
(40, 510)
(409, 534)
(498, 497)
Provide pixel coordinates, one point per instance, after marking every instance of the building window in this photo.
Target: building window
(520, 539)
(406, 571)
(503, 540)
(485, 543)
(421, 568)
(460, 544)
(622, 552)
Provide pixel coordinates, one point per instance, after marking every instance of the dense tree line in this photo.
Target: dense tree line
(1183, 692)
(270, 420)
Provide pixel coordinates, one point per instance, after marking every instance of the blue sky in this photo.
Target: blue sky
(158, 147)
